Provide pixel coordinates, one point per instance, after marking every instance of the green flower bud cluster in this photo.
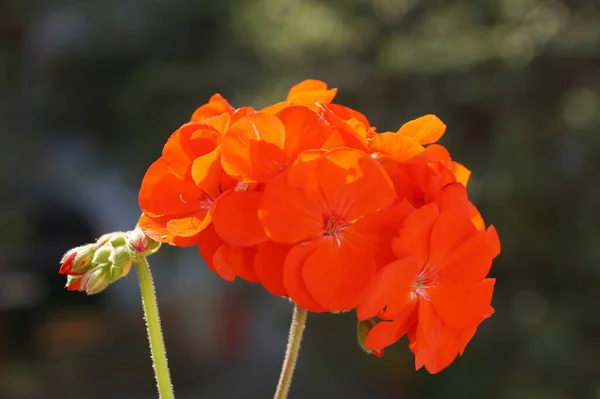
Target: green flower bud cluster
(93, 267)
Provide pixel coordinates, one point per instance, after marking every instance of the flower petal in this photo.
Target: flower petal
(449, 232)
(429, 327)
(453, 198)
(219, 123)
(310, 91)
(190, 225)
(471, 260)
(162, 193)
(353, 184)
(337, 272)
(390, 289)
(395, 146)
(347, 113)
(236, 218)
(493, 240)
(477, 219)
(221, 264)
(239, 260)
(446, 350)
(425, 130)
(376, 231)
(352, 133)
(274, 108)
(462, 305)
(408, 188)
(252, 149)
(207, 173)
(386, 333)
(289, 214)
(433, 153)
(414, 236)
(461, 173)
(269, 264)
(209, 243)
(304, 130)
(156, 228)
(217, 105)
(240, 113)
(293, 279)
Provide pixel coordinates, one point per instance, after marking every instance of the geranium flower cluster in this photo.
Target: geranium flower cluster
(307, 199)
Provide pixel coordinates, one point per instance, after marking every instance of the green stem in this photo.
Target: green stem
(291, 353)
(155, 337)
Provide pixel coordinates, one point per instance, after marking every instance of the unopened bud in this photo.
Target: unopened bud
(96, 280)
(73, 283)
(362, 330)
(102, 254)
(77, 260)
(115, 273)
(141, 243)
(118, 240)
(122, 258)
(67, 262)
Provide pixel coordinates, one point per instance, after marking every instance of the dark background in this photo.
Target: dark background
(90, 91)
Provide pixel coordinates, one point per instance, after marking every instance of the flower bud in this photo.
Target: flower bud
(122, 258)
(118, 240)
(96, 280)
(102, 254)
(67, 262)
(141, 243)
(116, 273)
(362, 330)
(77, 260)
(73, 283)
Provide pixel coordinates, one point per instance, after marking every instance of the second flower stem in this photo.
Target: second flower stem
(155, 337)
(291, 353)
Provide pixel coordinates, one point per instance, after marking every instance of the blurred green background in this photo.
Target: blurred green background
(90, 90)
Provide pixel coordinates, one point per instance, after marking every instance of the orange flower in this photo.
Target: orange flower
(326, 204)
(179, 189)
(436, 291)
(424, 175)
(305, 198)
(254, 150)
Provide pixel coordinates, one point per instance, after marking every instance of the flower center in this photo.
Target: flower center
(333, 226)
(424, 280)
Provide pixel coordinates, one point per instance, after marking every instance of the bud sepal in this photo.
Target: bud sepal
(362, 330)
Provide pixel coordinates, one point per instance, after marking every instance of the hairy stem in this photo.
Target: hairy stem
(155, 337)
(291, 353)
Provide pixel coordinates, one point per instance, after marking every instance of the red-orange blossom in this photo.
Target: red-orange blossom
(307, 199)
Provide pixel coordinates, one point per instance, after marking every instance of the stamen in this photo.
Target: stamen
(333, 226)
